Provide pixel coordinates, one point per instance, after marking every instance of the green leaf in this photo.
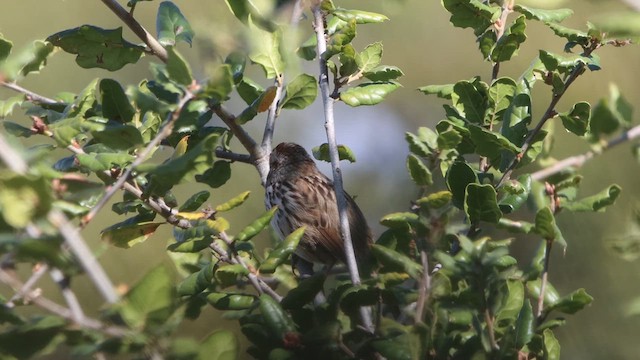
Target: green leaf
(556, 15)
(471, 13)
(192, 246)
(551, 346)
(115, 104)
(220, 345)
(217, 175)
(501, 95)
(35, 337)
(194, 202)
(228, 275)
(449, 139)
(256, 226)
(151, 300)
(305, 292)
(97, 47)
(383, 73)
(469, 101)
(197, 282)
(128, 233)
(597, 202)
(276, 319)
(340, 38)
(300, 92)
(399, 220)
(573, 36)
(524, 325)
(23, 198)
(419, 172)
(489, 143)
(395, 261)
(260, 104)
(220, 83)
(322, 153)
(460, 175)
(572, 303)
(172, 26)
(225, 301)
(435, 200)
(5, 48)
(517, 193)
(178, 68)
(104, 161)
(249, 90)
(282, 252)
(480, 204)
(577, 120)
(17, 130)
(359, 16)
(508, 45)
(442, 91)
(546, 224)
(368, 94)
(266, 50)
(233, 203)
(370, 57)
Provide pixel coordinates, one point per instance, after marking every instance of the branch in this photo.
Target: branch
(548, 114)
(31, 96)
(76, 244)
(9, 279)
(269, 126)
(229, 155)
(68, 295)
(140, 31)
(328, 101)
(579, 160)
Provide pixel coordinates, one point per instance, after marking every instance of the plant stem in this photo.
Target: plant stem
(545, 275)
(328, 101)
(36, 98)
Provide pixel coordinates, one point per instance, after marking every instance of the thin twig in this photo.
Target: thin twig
(425, 287)
(36, 98)
(41, 269)
(548, 114)
(270, 124)
(69, 296)
(579, 160)
(224, 154)
(162, 134)
(9, 279)
(140, 31)
(545, 275)
(328, 101)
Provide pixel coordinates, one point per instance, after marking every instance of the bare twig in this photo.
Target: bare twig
(69, 296)
(29, 94)
(41, 269)
(224, 154)
(579, 160)
(270, 124)
(140, 31)
(545, 276)
(328, 101)
(9, 279)
(425, 287)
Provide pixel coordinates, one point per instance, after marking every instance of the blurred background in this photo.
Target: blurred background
(419, 39)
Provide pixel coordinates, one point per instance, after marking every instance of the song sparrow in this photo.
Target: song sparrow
(305, 197)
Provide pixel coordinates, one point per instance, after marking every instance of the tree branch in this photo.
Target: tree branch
(140, 31)
(328, 101)
(579, 160)
(31, 96)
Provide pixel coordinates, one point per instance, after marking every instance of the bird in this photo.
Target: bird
(306, 197)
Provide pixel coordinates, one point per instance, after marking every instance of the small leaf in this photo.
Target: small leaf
(572, 303)
(220, 345)
(217, 175)
(442, 91)
(225, 301)
(545, 224)
(249, 90)
(480, 204)
(508, 45)
(340, 38)
(256, 226)
(419, 172)
(383, 73)
(555, 15)
(115, 104)
(577, 120)
(471, 13)
(458, 177)
(368, 94)
(524, 325)
(127, 233)
(194, 202)
(399, 220)
(435, 200)
(220, 83)
(551, 345)
(5, 48)
(276, 319)
(97, 47)
(172, 26)
(282, 252)
(300, 92)
(23, 198)
(360, 17)
(266, 50)
(517, 193)
(370, 57)
(177, 67)
(393, 260)
(597, 202)
(469, 101)
(233, 203)
(322, 153)
(305, 292)
(151, 300)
